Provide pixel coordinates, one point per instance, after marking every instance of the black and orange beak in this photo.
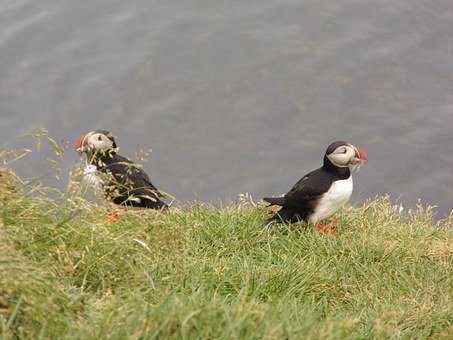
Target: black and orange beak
(360, 154)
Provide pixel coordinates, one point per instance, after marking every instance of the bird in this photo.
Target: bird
(123, 181)
(321, 192)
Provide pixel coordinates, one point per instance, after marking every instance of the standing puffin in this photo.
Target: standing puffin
(323, 191)
(124, 182)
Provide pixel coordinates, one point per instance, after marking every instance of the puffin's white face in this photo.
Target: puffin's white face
(95, 141)
(347, 155)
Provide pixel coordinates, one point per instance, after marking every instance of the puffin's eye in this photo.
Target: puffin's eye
(99, 138)
(344, 150)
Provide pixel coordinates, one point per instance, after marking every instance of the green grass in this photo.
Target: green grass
(202, 272)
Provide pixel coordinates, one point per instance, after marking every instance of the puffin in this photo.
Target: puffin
(321, 192)
(123, 181)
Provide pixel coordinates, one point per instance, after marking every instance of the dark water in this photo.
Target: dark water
(239, 96)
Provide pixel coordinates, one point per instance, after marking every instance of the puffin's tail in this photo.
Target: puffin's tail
(159, 204)
(274, 200)
(279, 216)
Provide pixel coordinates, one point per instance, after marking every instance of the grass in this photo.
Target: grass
(202, 272)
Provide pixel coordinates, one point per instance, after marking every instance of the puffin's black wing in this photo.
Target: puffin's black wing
(131, 185)
(309, 187)
(143, 176)
(300, 201)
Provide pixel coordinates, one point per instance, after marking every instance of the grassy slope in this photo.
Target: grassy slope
(209, 273)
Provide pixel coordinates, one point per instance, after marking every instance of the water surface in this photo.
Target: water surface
(239, 96)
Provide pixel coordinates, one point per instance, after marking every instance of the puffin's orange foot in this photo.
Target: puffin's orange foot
(114, 216)
(329, 229)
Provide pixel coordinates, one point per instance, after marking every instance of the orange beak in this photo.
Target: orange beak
(78, 145)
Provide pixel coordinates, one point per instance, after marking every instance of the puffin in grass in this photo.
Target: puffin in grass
(123, 181)
(320, 193)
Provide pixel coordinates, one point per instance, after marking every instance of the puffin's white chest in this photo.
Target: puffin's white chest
(92, 178)
(337, 195)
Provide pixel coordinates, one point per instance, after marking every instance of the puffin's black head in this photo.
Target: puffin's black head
(96, 141)
(342, 154)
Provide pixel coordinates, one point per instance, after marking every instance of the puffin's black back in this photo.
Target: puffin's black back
(300, 202)
(128, 184)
